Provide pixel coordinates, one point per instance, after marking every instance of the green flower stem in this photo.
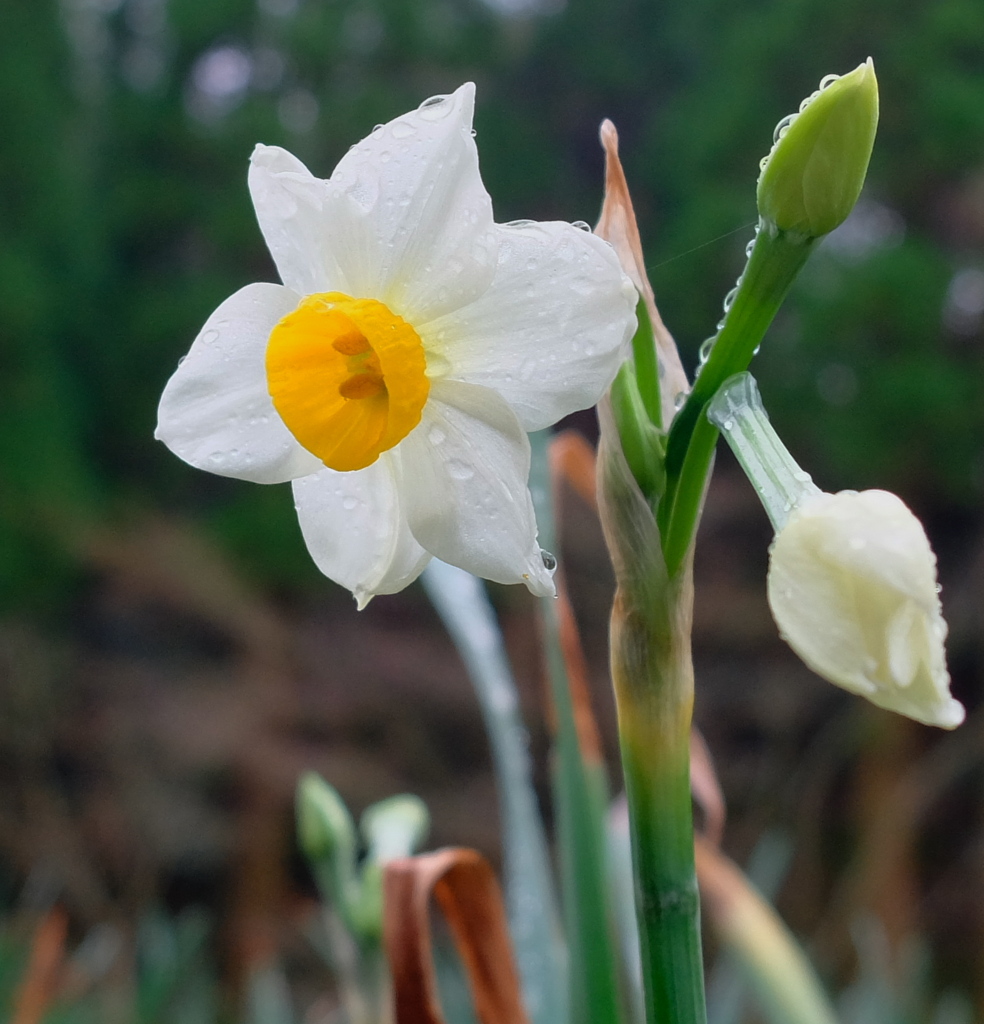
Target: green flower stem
(781, 485)
(652, 674)
(776, 259)
(654, 691)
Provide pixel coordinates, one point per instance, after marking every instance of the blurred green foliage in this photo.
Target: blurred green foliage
(125, 219)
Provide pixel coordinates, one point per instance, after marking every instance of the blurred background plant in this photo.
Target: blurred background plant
(170, 660)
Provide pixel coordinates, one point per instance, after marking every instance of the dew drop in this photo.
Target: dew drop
(782, 127)
(519, 223)
(705, 349)
(402, 130)
(728, 424)
(679, 400)
(436, 436)
(349, 503)
(435, 109)
(549, 560)
(209, 337)
(581, 226)
(460, 470)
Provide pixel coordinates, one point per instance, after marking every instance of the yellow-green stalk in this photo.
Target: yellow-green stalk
(652, 673)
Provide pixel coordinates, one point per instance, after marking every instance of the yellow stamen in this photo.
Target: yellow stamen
(348, 378)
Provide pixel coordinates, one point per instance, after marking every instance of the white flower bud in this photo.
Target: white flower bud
(852, 587)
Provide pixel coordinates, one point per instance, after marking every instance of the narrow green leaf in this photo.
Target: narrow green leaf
(581, 798)
(534, 925)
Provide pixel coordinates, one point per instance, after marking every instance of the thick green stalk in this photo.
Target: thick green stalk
(654, 690)
(653, 678)
(777, 257)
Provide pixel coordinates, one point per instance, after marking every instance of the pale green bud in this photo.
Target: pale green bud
(813, 176)
(395, 827)
(325, 829)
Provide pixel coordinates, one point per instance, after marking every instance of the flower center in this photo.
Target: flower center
(348, 377)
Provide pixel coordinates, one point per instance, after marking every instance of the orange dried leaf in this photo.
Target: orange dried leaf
(39, 985)
(618, 226)
(706, 789)
(464, 886)
(572, 461)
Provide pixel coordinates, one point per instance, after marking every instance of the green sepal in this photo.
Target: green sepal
(642, 441)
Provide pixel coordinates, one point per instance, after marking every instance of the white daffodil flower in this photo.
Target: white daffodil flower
(394, 375)
(852, 587)
(852, 578)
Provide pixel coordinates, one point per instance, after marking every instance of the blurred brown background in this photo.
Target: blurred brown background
(169, 659)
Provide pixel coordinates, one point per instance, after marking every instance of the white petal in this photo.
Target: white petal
(289, 203)
(356, 530)
(216, 412)
(464, 473)
(852, 586)
(409, 220)
(551, 331)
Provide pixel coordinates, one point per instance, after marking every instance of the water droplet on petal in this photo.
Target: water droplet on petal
(679, 400)
(581, 226)
(402, 130)
(460, 470)
(436, 108)
(436, 436)
(549, 560)
(349, 503)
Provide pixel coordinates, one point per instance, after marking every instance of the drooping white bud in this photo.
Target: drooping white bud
(852, 578)
(852, 587)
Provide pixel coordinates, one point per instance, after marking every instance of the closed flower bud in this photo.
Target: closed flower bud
(852, 586)
(325, 830)
(813, 176)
